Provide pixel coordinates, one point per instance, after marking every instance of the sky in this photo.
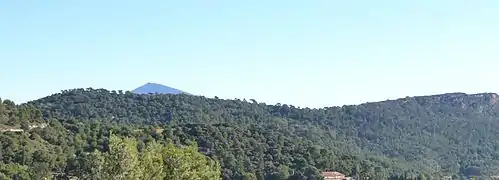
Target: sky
(312, 53)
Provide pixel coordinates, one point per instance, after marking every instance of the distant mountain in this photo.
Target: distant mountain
(154, 88)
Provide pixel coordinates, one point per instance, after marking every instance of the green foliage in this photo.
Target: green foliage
(92, 166)
(152, 161)
(83, 150)
(14, 171)
(189, 164)
(123, 161)
(431, 136)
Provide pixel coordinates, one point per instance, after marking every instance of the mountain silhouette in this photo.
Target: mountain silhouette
(154, 88)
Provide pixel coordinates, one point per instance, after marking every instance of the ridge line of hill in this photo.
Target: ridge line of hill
(451, 134)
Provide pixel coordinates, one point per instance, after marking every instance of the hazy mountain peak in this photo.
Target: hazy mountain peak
(155, 88)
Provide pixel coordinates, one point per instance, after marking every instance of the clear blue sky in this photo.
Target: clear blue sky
(306, 53)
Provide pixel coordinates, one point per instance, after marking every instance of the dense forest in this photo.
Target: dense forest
(30, 148)
(72, 134)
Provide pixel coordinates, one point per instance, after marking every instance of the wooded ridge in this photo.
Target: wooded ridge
(451, 134)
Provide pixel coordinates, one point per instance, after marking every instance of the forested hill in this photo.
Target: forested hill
(440, 135)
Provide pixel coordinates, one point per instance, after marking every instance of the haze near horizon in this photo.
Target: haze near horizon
(305, 53)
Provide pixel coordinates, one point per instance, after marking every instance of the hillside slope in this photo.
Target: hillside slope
(447, 134)
(33, 148)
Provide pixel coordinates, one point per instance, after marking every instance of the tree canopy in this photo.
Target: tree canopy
(413, 137)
